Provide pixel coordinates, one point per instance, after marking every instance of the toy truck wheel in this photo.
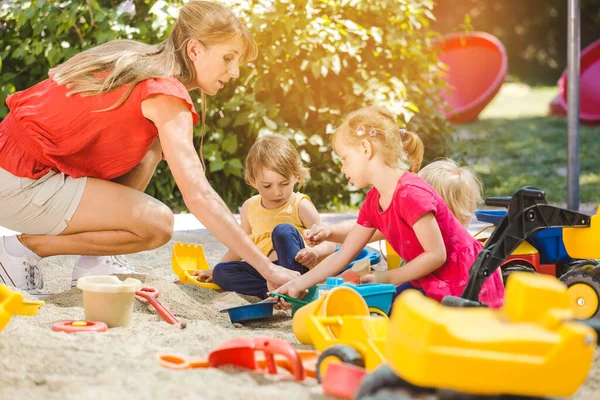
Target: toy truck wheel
(385, 380)
(512, 267)
(338, 353)
(584, 290)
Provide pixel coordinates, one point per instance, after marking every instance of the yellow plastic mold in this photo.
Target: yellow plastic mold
(530, 347)
(584, 242)
(187, 258)
(12, 303)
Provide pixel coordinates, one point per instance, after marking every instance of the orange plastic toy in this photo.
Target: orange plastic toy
(477, 65)
(242, 352)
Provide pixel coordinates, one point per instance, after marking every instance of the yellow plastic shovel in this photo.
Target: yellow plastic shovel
(187, 258)
(12, 303)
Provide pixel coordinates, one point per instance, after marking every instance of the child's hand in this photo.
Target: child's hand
(316, 235)
(307, 257)
(375, 277)
(204, 275)
(291, 291)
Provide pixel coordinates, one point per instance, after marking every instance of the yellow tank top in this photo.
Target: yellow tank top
(263, 221)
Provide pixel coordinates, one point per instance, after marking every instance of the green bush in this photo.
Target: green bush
(318, 61)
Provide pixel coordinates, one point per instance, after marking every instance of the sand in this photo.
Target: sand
(37, 363)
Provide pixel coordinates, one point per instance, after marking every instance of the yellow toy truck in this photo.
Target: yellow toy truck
(531, 347)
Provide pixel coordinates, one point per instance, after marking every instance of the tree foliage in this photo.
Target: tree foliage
(318, 60)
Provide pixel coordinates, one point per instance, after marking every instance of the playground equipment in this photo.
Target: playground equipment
(589, 94)
(530, 347)
(262, 354)
(13, 303)
(477, 65)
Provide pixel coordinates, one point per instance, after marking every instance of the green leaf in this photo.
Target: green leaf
(230, 145)
(233, 167)
(269, 123)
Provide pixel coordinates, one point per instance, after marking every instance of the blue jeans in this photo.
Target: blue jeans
(241, 277)
(405, 286)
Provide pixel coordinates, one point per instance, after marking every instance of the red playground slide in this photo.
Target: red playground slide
(477, 63)
(589, 86)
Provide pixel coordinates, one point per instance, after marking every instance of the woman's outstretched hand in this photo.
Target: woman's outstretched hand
(290, 290)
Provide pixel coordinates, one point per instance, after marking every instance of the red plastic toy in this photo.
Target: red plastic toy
(477, 64)
(242, 352)
(79, 326)
(150, 294)
(343, 380)
(589, 85)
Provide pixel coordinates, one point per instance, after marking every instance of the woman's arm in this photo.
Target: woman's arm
(357, 239)
(173, 119)
(230, 254)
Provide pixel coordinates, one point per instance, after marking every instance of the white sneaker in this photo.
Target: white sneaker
(21, 273)
(105, 265)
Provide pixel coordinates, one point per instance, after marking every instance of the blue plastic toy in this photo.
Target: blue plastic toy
(373, 256)
(249, 312)
(377, 295)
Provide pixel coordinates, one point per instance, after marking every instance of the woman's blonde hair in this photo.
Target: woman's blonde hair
(398, 147)
(460, 187)
(275, 153)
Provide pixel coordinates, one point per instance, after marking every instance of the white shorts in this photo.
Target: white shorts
(39, 207)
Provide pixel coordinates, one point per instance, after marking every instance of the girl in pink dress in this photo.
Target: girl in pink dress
(409, 213)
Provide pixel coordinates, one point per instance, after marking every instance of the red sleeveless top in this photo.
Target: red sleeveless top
(46, 130)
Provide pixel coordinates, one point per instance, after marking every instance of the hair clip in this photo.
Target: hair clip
(402, 132)
(360, 130)
(372, 131)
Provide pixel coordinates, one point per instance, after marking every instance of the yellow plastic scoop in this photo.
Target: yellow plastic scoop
(187, 258)
(12, 303)
(584, 242)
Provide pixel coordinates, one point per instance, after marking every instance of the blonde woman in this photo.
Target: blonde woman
(273, 219)
(78, 149)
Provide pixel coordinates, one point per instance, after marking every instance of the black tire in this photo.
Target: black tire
(342, 352)
(573, 264)
(385, 378)
(513, 267)
(588, 275)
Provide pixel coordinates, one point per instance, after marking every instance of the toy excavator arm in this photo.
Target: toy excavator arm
(527, 213)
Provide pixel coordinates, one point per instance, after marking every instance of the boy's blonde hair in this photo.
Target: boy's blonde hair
(276, 153)
(460, 187)
(398, 147)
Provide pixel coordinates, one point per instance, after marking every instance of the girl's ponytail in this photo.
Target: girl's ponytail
(414, 149)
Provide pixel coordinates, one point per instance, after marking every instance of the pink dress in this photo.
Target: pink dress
(413, 198)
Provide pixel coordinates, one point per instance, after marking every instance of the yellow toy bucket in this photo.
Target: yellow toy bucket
(339, 301)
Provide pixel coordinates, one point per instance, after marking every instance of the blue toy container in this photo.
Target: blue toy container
(550, 245)
(376, 295)
(373, 256)
(249, 312)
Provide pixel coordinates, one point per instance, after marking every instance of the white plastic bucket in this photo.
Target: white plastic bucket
(108, 299)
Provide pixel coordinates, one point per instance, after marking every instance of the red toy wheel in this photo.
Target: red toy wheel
(79, 326)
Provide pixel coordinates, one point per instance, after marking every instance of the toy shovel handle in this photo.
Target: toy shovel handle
(289, 299)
